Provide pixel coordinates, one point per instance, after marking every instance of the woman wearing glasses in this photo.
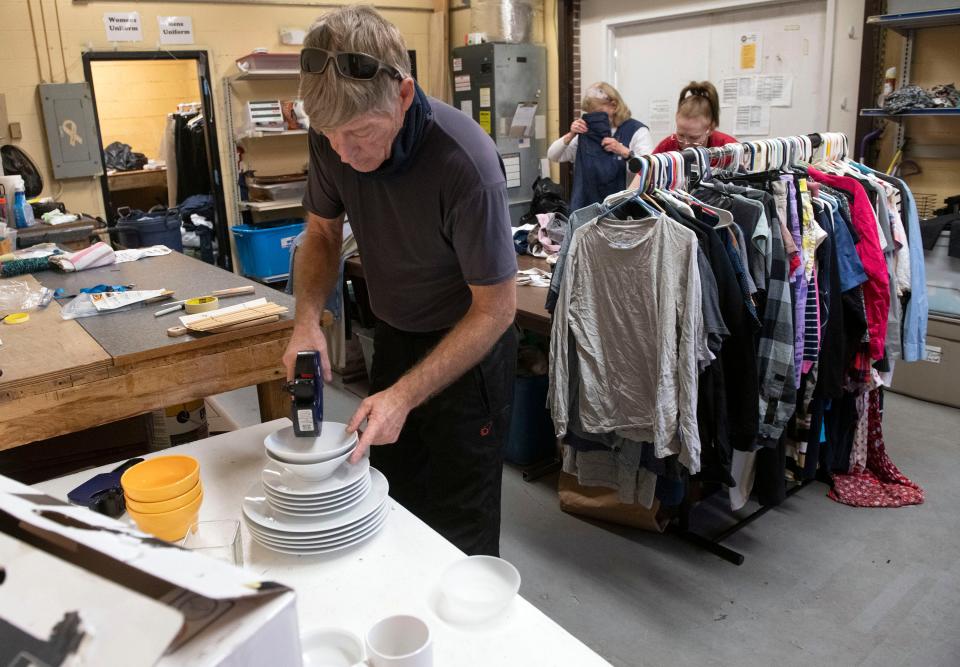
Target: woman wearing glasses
(698, 115)
(599, 144)
(426, 195)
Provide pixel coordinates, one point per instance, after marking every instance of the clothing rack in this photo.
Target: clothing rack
(772, 153)
(663, 171)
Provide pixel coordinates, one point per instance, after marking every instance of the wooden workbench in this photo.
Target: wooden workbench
(531, 313)
(64, 376)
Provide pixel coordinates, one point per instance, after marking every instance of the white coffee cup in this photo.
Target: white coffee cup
(400, 641)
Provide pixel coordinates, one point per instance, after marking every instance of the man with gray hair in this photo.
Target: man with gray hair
(425, 193)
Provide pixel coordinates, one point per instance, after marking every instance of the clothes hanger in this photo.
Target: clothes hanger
(618, 200)
(677, 192)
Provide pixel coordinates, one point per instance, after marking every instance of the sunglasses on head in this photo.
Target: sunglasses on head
(357, 66)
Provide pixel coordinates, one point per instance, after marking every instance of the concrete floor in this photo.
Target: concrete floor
(821, 583)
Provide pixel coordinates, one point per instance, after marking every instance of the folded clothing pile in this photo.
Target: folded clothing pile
(943, 96)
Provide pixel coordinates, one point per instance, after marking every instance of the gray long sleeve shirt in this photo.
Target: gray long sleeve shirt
(631, 298)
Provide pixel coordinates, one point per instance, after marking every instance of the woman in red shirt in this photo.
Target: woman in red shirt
(698, 114)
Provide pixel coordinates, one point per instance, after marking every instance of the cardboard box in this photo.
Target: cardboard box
(938, 378)
(82, 585)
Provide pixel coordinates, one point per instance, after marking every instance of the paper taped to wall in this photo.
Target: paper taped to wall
(660, 118)
(749, 56)
(774, 90)
(752, 120)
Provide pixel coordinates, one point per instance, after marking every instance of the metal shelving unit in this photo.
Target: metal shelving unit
(907, 24)
(880, 113)
(276, 205)
(262, 134)
(235, 137)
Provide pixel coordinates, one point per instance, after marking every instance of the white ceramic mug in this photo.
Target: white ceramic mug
(400, 641)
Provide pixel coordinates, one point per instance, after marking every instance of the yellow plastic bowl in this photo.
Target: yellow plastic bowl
(169, 526)
(160, 478)
(165, 505)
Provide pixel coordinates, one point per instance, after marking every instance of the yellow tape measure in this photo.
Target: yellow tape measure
(16, 318)
(201, 304)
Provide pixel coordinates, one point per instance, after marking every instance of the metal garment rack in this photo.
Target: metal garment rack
(682, 526)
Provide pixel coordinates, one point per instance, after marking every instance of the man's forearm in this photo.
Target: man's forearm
(317, 268)
(460, 350)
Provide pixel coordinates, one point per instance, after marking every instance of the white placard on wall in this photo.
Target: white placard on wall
(176, 29)
(122, 26)
(511, 163)
(660, 118)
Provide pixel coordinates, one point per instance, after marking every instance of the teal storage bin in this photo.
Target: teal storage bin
(264, 252)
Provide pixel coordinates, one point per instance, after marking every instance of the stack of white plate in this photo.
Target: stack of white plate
(299, 507)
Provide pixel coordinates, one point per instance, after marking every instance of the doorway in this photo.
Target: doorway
(156, 126)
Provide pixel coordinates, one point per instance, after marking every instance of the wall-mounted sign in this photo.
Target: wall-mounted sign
(122, 26)
(175, 29)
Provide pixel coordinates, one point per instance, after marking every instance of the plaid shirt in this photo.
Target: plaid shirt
(775, 358)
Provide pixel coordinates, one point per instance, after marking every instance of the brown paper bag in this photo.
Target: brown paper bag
(598, 502)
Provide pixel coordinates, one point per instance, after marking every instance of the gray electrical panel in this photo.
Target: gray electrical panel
(71, 129)
(504, 88)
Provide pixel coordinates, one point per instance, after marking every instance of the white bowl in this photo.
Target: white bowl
(331, 647)
(284, 445)
(314, 472)
(476, 589)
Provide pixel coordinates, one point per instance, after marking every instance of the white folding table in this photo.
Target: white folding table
(395, 572)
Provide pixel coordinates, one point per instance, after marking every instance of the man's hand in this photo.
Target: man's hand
(611, 145)
(307, 338)
(385, 413)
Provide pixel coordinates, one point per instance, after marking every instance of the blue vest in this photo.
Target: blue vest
(598, 173)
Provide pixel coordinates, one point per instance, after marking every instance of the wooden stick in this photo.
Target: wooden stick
(232, 291)
(219, 321)
(174, 332)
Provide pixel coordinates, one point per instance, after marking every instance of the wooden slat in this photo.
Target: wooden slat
(213, 321)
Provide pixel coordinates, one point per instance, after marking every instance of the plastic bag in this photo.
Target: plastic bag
(86, 304)
(79, 306)
(120, 156)
(20, 295)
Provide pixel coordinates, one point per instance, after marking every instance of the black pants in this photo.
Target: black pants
(446, 467)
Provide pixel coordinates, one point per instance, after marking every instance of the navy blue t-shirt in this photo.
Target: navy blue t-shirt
(429, 231)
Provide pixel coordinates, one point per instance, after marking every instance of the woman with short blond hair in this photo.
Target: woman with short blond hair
(599, 144)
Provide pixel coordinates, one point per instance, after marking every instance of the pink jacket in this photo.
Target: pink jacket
(876, 291)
